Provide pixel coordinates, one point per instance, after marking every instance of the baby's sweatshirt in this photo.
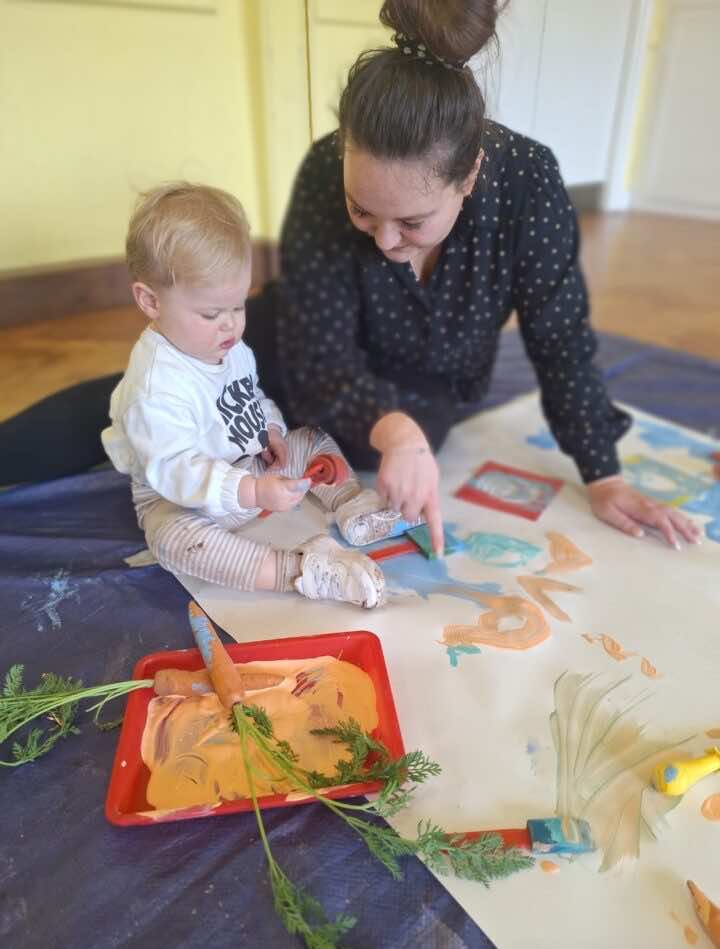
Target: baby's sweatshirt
(186, 428)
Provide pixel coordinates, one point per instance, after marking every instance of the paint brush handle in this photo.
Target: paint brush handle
(327, 469)
(223, 674)
(514, 837)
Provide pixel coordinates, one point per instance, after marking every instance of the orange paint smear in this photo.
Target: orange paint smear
(548, 866)
(649, 670)
(710, 808)
(565, 556)
(713, 732)
(691, 937)
(536, 586)
(612, 647)
(487, 631)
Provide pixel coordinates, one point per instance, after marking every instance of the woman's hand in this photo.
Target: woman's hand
(408, 477)
(275, 455)
(615, 502)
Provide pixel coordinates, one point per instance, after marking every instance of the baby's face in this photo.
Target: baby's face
(204, 322)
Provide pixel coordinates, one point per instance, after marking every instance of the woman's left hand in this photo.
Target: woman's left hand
(615, 502)
(275, 455)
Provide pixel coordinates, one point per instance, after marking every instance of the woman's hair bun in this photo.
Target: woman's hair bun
(452, 29)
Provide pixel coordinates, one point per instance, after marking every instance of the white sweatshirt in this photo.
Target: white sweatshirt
(180, 425)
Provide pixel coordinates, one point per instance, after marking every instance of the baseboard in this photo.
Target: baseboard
(46, 293)
(586, 197)
(673, 208)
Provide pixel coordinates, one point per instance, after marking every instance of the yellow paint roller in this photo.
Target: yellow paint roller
(677, 776)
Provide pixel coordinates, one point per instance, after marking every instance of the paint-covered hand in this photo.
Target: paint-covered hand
(408, 476)
(615, 502)
(273, 492)
(275, 455)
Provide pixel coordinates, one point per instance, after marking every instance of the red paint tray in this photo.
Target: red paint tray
(126, 802)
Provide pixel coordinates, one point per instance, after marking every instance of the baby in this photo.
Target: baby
(205, 449)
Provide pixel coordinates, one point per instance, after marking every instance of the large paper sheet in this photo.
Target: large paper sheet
(642, 612)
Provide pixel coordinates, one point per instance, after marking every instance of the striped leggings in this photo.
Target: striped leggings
(213, 548)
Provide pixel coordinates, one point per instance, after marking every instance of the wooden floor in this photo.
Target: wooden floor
(651, 277)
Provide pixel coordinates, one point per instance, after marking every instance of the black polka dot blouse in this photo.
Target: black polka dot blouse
(354, 322)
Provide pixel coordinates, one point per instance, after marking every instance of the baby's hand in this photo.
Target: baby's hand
(615, 502)
(276, 493)
(275, 455)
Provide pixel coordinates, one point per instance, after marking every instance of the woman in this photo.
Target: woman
(412, 235)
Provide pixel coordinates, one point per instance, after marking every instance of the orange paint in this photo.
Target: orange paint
(548, 866)
(487, 631)
(649, 670)
(195, 759)
(713, 732)
(536, 586)
(691, 937)
(710, 808)
(613, 648)
(565, 556)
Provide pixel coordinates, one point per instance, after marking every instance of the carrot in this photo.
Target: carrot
(183, 682)
(223, 674)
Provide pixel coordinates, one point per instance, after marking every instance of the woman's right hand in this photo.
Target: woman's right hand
(408, 477)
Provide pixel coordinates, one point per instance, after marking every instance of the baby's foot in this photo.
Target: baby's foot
(365, 519)
(330, 572)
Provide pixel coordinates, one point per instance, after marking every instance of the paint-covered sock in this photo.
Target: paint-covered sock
(331, 572)
(364, 519)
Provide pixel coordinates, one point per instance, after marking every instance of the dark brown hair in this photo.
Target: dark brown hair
(398, 107)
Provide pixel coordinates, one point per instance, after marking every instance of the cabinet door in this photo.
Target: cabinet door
(579, 83)
(508, 72)
(337, 34)
(676, 168)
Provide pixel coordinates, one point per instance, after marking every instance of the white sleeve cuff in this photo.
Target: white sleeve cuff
(229, 491)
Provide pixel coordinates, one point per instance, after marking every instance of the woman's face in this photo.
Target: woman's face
(406, 208)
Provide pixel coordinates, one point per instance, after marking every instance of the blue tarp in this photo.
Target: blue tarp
(71, 605)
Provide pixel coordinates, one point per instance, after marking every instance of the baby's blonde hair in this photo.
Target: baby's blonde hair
(182, 233)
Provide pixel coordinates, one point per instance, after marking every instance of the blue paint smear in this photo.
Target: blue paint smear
(61, 588)
(542, 439)
(662, 436)
(454, 653)
(495, 549)
(203, 637)
(425, 577)
(661, 481)
(707, 503)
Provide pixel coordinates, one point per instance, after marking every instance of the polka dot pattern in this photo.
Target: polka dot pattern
(353, 320)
